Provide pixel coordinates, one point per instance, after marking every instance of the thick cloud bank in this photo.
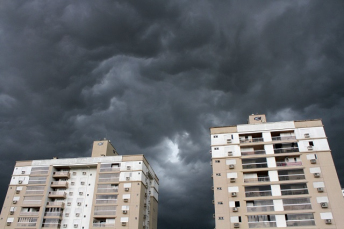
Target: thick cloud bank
(153, 76)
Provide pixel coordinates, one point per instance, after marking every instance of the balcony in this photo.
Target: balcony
(253, 152)
(57, 194)
(257, 179)
(283, 138)
(291, 177)
(61, 174)
(265, 208)
(26, 224)
(53, 214)
(29, 213)
(250, 140)
(59, 184)
(32, 203)
(286, 150)
(107, 190)
(264, 224)
(258, 193)
(299, 223)
(103, 225)
(255, 165)
(55, 205)
(106, 201)
(51, 225)
(296, 191)
(288, 164)
(296, 207)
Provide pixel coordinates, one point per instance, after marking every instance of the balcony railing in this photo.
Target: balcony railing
(115, 179)
(53, 214)
(291, 177)
(55, 204)
(263, 224)
(34, 192)
(258, 193)
(105, 212)
(26, 224)
(59, 184)
(288, 164)
(264, 208)
(286, 150)
(32, 202)
(298, 223)
(255, 165)
(51, 225)
(39, 172)
(109, 169)
(256, 179)
(36, 181)
(28, 213)
(246, 140)
(283, 138)
(103, 225)
(293, 207)
(299, 191)
(107, 190)
(106, 201)
(61, 174)
(246, 153)
(57, 194)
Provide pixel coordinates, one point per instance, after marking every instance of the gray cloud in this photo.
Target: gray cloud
(154, 76)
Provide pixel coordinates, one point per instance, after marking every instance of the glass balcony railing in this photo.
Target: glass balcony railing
(28, 213)
(298, 223)
(249, 140)
(106, 201)
(291, 177)
(26, 224)
(283, 138)
(255, 165)
(253, 152)
(258, 193)
(286, 150)
(51, 225)
(264, 224)
(299, 191)
(288, 164)
(265, 208)
(53, 214)
(103, 225)
(256, 179)
(295, 207)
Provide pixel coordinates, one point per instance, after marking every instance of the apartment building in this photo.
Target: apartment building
(275, 175)
(105, 190)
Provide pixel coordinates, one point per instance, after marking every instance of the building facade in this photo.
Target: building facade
(105, 190)
(275, 175)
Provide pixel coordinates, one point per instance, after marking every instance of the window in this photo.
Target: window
(220, 202)
(219, 188)
(215, 136)
(217, 161)
(311, 143)
(216, 148)
(218, 174)
(237, 204)
(220, 218)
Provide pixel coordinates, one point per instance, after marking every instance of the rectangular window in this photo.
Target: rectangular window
(219, 188)
(217, 161)
(218, 174)
(216, 148)
(215, 136)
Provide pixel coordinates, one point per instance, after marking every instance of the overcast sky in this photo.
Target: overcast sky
(154, 76)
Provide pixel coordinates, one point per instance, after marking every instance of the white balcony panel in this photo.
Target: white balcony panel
(267, 136)
(278, 205)
(233, 189)
(265, 127)
(322, 199)
(231, 204)
(276, 190)
(232, 175)
(315, 170)
(326, 215)
(273, 175)
(280, 221)
(271, 162)
(235, 219)
(269, 149)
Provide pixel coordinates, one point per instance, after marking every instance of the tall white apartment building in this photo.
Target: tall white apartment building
(105, 190)
(275, 175)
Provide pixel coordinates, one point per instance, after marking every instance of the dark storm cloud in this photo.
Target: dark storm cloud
(153, 76)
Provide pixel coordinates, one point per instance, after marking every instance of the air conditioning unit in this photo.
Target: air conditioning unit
(145, 205)
(77, 214)
(65, 225)
(82, 182)
(81, 193)
(8, 223)
(310, 147)
(126, 200)
(83, 173)
(320, 189)
(324, 205)
(316, 175)
(328, 221)
(75, 225)
(229, 140)
(235, 209)
(127, 178)
(79, 203)
(236, 225)
(232, 180)
(67, 214)
(231, 166)
(17, 191)
(313, 161)
(230, 153)
(233, 194)
(307, 135)
(23, 172)
(126, 189)
(69, 203)
(11, 212)
(124, 223)
(128, 167)
(14, 202)
(125, 211)
(20, 181)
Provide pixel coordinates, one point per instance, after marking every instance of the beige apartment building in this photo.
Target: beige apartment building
(275, 175)
(105, 190)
